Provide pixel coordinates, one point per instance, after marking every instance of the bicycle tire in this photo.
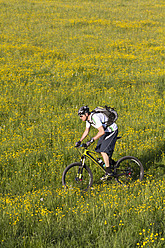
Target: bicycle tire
(71, 177)
(128, 169)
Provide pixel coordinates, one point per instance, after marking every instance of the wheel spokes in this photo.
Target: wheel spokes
(77, 177)
(128, 171)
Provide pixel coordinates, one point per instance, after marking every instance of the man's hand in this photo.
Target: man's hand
(78, 143)
(90, 142)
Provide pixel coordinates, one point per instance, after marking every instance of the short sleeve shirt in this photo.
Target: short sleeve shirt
(97, 120)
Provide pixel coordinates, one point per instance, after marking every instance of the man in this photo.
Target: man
(107, 136)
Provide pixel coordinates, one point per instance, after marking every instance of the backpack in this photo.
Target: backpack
(109, 112)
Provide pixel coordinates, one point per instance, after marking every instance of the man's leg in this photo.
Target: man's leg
(106, 158)
(106, 161)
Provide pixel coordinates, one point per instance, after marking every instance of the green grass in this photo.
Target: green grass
(56, 56)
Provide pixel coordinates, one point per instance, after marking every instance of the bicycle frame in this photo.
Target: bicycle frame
(87, 154)
(126, 170)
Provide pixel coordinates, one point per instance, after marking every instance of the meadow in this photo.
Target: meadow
(56, 56)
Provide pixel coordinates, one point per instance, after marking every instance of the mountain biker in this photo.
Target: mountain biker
(107, 136)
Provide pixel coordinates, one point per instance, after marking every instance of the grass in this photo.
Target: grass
(55, 57)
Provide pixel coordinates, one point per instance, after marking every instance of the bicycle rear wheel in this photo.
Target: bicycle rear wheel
(128, 169)
(77, 177)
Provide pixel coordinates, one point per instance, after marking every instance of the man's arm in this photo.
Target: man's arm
(85, 134)
(100, 133)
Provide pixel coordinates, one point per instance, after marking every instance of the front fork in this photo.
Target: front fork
(80, 169)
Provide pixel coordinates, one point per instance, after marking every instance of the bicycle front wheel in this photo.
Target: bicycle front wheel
(77, 177)
(128, 169)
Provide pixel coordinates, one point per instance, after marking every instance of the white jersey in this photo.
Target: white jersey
(98, 119)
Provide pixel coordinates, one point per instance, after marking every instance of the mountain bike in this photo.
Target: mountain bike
(78, 175)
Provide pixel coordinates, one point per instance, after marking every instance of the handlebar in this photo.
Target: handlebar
(85, 146)
(82, 145)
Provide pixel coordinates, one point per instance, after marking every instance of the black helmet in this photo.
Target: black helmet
(83, 110)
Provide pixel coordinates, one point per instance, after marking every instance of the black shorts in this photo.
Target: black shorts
(107, 142)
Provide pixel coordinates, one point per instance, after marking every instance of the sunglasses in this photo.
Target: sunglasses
(81, 116)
